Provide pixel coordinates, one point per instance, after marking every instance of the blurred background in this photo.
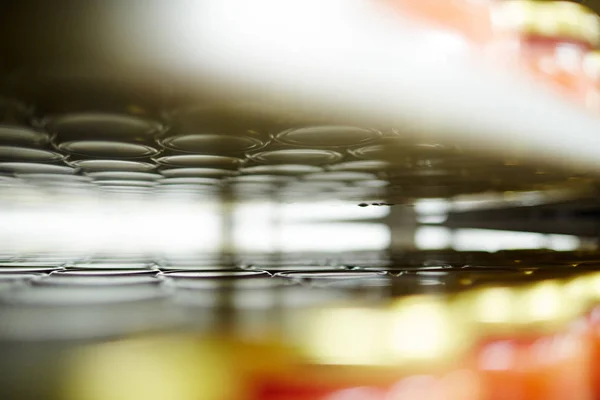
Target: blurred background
(300, 200)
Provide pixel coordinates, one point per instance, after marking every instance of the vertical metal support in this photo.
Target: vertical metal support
(402, 222)
(277, 224)
(226, 313)
(226, 208)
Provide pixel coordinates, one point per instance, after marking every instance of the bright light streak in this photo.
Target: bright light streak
(432, 238)
(335, 237)
(494, 240)
(185, 226)
(117, 227)
(563, 242)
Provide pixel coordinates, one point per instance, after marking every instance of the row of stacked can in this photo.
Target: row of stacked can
(89, 132)
(522, 328)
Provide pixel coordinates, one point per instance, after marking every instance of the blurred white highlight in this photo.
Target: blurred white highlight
(181, 226)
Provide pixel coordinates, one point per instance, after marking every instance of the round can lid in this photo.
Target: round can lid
(35, 168)
(340, 176)
(190, 181)
(197, 173)
(97, 280)
(283, 267)
(327, 136)
(297, 156)
(101, 148)
(200, 265)
(127, 191)
(113, 165)
(330, 274)
(200, 161)
(177, 189)
(126, 183)
(50, 177)
(392, 150)
(27, 268)
(262, 178)
(123, 175)
(96, 266)
(20, 136)
(90, 272)
(214, 274)
(281, 169)
(211, 143)
(14, 153)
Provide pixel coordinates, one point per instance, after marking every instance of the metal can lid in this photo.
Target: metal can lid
(327, 136)
(105, 148)
(214, 274)
(111, 265)
(123, 175)
(28, 154)
(281, 169)
(197, 173)
(97, 280)
(200, 161)
(101, 165)
(297, 156)
(22, 136)
(287, 267)
(332, 274)
(209, 143)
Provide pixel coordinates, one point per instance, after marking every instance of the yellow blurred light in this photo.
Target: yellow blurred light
(420, 330)
(493, 305)
(595, 285)
(577, 292)
(149, 369)
(543, 302)
(346, 336)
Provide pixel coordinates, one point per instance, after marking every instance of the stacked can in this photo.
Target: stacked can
(431, 325)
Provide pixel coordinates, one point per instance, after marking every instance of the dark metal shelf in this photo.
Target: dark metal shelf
(578, 217)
